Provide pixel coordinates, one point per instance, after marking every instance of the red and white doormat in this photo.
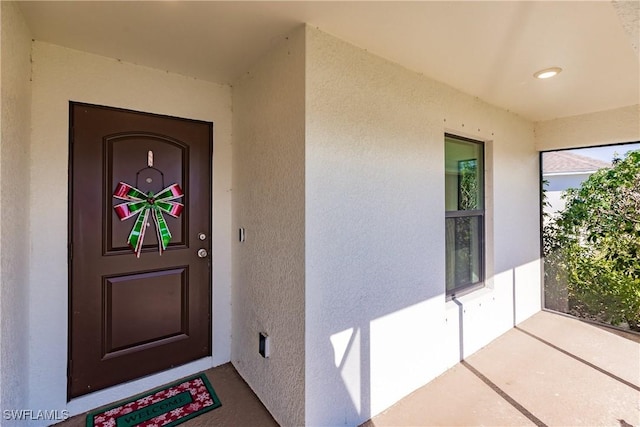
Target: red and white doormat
(163, 407)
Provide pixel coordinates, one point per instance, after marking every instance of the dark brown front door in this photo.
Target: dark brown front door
(132, 316)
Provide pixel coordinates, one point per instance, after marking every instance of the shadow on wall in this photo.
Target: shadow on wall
(343, 344)
(376, 361)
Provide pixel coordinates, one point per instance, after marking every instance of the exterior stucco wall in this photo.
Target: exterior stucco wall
(15, 112)
(268, 202)
(378, 325)
(61, 75)
(605, 127)
(557, 185)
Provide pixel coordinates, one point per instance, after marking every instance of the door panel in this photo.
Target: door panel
(131, 316)
(144, 308)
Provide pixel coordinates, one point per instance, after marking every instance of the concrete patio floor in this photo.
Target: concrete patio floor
(551, 370)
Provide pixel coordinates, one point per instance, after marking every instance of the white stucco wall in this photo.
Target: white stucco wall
(61, 75)
(268, 202)
(605, 127)
(377, 322)
(15, 112)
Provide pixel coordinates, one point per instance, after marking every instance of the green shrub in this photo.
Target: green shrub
(593, 246)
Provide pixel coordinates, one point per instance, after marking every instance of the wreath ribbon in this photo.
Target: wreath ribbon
(145, 205)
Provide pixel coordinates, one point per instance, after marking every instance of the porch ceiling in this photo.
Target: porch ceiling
(486, 49)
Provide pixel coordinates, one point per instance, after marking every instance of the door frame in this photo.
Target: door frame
(64, 75)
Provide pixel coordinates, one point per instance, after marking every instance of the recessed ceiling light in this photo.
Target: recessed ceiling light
(547, 73)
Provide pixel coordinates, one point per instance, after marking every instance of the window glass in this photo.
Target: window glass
(463, 247)
(463, 179)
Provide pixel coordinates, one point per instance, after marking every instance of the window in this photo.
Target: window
(464, 216)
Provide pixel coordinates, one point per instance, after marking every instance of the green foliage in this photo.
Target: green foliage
(468, 185)
(593, 246)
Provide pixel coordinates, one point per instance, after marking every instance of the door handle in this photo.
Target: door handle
(202, 253)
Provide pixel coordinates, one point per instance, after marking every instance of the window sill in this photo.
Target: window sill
(466, 291)
(470, 296)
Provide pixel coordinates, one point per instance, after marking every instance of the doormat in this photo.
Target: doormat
(165, 406)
